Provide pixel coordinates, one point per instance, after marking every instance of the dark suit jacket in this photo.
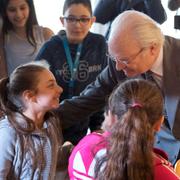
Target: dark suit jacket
(171, 83)
(107, 10)
(94, 96)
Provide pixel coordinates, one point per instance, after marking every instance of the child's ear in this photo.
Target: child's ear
(62, 20)
(157, 125)
(112, 118)
(29, 95)
(93, 19)
(109, 120)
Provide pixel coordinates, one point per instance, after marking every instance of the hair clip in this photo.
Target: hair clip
(134, 105)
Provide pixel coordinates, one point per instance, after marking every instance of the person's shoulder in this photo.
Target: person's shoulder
(168, 38)
(45, 32)
(5, 125)
(54, 43)
(163, 168)
(90, 145)
(7, 132)
(171, 39)
(48, 33)
(96, 37)
(90, 141)
(85, 154)
(172, 43)
(94, 136)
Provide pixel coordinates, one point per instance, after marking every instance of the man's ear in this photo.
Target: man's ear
(157, 125)
(154, 48)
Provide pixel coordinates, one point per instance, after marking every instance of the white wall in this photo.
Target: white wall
(168, 26)
(48, 13)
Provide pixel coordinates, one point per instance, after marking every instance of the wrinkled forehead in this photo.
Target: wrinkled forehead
(122, 44)
(122, 35)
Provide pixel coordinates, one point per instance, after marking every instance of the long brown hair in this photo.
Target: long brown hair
(138, 104)
(32, 20)
(24, 77)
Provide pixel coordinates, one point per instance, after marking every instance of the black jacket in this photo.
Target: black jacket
(107, 10)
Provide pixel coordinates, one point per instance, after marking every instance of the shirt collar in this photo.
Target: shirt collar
(157, 67)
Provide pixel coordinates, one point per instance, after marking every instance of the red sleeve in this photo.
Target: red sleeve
(166, 172)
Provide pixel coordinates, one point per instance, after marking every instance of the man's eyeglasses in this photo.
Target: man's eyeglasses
(125, 60)
(74, 20)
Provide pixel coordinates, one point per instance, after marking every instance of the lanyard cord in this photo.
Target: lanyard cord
(72, 66)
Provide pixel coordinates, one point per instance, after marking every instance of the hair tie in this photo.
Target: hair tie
(134, 105)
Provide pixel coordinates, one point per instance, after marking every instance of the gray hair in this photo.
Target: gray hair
(139, 26)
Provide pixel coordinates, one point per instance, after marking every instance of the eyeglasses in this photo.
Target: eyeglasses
(125, 60)
(74, 20)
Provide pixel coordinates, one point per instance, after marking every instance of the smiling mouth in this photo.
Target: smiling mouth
(19, 21)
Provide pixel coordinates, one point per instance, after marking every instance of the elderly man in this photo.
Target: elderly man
(137, 48)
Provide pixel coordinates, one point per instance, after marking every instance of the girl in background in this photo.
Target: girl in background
(22, 36)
